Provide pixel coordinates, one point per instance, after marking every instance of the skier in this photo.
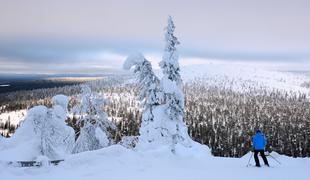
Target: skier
(259, 143)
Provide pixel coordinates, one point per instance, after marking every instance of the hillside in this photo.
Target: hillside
(222, 100)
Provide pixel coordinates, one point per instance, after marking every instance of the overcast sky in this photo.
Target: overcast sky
(79, 36)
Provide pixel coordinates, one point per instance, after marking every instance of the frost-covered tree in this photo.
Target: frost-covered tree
(149, 92)
(171, 83)
(151, 96)
(56, 138)
(93, 121)
(66, 135)
(44, 131)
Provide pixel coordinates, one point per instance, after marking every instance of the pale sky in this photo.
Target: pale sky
(79, 36)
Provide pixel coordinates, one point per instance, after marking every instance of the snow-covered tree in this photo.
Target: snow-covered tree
(93, 121)
(44, 130)
(57, 139)
(150, 93)
(171, 83)
(66, 134)
(151, 96)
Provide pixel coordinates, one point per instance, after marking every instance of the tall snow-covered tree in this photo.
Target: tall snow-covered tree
(171, 83)
(93, 120)
(152, 130)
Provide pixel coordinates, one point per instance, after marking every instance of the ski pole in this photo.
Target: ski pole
(249, 159)
(274, 158)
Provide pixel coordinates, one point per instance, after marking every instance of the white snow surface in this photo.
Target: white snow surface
(15, 117)
(118, 163)
(236, 75)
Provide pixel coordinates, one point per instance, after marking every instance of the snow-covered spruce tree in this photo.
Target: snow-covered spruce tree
(171, 83)
(152, 130)
(93, 121)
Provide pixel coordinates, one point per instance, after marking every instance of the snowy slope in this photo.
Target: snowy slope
(219, 73)
(118, 163)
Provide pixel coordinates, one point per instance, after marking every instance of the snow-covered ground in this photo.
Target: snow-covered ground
(117, 162)
(217, 73)
(14, 116)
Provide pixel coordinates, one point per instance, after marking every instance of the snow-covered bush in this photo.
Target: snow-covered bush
(93, 121)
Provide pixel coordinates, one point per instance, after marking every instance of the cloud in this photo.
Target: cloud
(100, 61)
(77, 35)
(219, 27)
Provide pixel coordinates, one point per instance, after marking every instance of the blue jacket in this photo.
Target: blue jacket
(258, 141)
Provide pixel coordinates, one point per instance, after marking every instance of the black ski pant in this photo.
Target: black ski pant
(262, 153)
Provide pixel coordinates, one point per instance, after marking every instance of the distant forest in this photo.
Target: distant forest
(32, 84)
(216, 115)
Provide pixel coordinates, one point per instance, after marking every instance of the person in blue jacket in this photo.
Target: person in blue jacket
(259, 143)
